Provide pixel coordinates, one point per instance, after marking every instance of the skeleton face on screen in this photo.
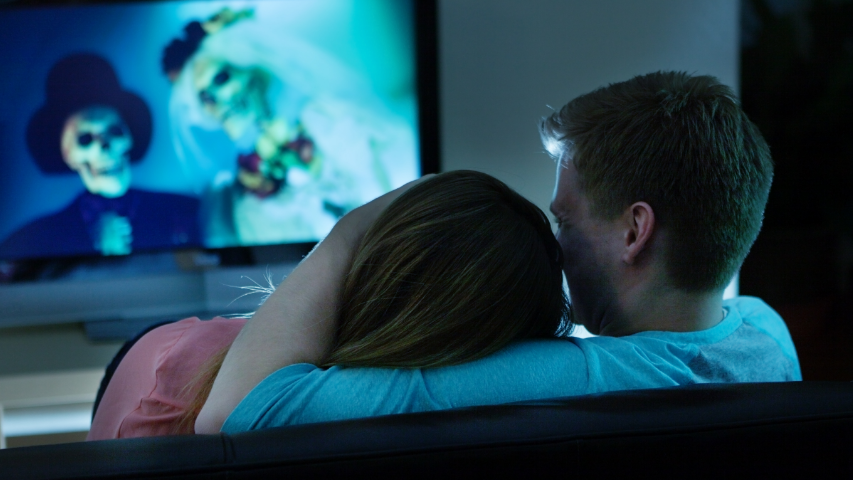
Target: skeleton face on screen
(235, 96)
(96, 144)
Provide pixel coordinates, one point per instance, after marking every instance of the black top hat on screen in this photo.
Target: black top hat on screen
(74, 83)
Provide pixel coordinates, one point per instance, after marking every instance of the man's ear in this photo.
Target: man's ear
(640, 223)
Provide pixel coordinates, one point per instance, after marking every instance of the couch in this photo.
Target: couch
(798, 429)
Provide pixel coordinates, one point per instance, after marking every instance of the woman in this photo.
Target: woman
(454, 269)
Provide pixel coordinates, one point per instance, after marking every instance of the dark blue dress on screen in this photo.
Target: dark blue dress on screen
(158, 221)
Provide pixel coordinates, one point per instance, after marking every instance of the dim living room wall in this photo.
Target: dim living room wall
(502, 64)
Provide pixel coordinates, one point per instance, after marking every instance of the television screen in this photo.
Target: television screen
(132, 127)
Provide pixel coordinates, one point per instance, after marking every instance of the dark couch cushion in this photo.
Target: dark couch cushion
(788, 429)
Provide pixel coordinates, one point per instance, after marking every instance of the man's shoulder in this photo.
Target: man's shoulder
(759, 315)
(743, 347)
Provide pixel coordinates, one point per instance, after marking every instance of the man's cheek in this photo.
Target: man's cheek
(563, 240)
(573, 246)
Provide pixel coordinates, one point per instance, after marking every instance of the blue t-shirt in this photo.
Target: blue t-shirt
(751, 344)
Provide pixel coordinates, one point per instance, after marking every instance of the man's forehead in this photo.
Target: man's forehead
(566, 192)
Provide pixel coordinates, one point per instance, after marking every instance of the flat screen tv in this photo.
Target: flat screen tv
(133, 130)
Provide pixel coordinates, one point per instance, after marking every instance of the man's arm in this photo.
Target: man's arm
(297, 323)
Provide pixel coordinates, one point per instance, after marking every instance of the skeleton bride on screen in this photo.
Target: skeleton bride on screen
(311, 141)
(89, 126)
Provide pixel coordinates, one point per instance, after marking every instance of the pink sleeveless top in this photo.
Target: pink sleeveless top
(146, 396)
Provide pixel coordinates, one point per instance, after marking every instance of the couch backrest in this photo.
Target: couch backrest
(789, 429)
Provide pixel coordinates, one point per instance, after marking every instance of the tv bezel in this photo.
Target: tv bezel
(31, 299)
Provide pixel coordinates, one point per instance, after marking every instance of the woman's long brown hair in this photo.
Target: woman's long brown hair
(453, 270)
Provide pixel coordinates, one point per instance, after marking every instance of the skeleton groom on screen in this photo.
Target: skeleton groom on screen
(96, 144)
(90, 126)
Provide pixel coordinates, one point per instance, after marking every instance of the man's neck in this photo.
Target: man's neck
(668, 310)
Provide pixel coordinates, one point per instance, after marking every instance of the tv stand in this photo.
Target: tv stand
(117, 308)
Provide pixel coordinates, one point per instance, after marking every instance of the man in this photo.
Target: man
(661, 188)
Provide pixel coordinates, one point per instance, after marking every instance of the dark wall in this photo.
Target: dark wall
(797, 86)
